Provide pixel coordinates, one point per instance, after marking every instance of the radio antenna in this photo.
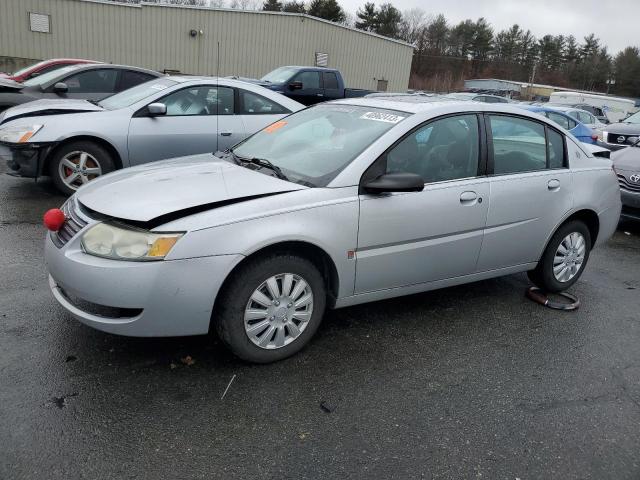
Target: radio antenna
(217, 94)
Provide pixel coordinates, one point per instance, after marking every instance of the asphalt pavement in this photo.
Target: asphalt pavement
(467, 382)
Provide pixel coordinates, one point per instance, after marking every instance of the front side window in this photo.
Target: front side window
(203, 100)
(520, 145)
(584, 117)
(308, 79)
(314, 145)
(442, 150)
(92, 81)
(254, 104)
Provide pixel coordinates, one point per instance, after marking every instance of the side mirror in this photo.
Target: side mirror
(156, 109)
(60, 87)
(295, 86)
(395, 182)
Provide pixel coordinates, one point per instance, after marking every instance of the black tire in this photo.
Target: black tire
(542, 276)
(100, 156)
(230, 306)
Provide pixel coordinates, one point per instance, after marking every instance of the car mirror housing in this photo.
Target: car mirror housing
(395, 182)
(156, 109)
(295, 86)
(61, 87)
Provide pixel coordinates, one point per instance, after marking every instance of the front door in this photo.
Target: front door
(311, 91)
(411, 238)
(199, 119)
(530, 190)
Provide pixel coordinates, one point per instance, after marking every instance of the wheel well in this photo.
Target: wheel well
(100, 141)
(309, 251)
(590, 219)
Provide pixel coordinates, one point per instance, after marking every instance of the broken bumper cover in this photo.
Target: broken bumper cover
(139, 299)
(25, 160)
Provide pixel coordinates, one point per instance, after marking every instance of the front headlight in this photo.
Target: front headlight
(18, 133)
(110, 241)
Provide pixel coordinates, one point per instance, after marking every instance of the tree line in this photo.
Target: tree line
(446, 53)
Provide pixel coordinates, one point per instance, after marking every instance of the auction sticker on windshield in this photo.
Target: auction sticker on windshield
(382, 117)
(275, 126)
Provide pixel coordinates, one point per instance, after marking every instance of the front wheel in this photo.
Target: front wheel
(77, 163)
(564, 259)
(271, 307)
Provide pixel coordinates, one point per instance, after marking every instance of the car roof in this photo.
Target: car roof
(101, 66)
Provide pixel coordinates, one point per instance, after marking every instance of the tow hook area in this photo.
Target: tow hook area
(541, 297)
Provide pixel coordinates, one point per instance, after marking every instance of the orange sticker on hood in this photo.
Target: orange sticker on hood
(275, 126)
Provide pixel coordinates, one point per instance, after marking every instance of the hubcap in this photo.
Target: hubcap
(77, 168)
(278, 311)
(569, 257)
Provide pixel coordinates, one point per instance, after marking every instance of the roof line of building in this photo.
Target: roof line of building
(259, 12)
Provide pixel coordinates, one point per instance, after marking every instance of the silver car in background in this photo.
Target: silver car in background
(76, 141)
(342, 203)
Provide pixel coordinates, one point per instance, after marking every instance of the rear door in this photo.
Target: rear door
(530, 190)
(418, 237)
(331, 86)
(194, 115)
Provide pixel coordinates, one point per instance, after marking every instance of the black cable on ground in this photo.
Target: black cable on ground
(541, 297)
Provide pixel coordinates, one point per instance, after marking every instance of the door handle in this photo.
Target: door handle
(468, 197)
(225, 134)
(553, 184)
(320, 94)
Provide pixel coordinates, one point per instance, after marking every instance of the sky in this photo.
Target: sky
(615, 22)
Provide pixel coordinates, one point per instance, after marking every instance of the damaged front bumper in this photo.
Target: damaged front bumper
(25, 160)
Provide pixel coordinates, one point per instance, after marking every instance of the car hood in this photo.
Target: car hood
(48, 107)
(627, 159)
(177, 187)
(7, 84)
(623, 128)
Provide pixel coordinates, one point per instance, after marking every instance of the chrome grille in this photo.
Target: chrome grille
(624, 183)
(72, 225)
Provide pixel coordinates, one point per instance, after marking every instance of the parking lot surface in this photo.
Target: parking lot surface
(474, 381)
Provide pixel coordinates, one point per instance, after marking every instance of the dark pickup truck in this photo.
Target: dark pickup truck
(308, 85)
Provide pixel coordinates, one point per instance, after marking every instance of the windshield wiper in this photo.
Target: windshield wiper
(261, 162)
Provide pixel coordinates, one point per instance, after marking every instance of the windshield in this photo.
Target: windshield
(313, 146)
(635, 118)
(135, 94)
(279, 75)
(27, 68)
(46, 77)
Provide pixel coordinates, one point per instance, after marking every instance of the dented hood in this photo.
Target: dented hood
(49, 107)
(145, 193)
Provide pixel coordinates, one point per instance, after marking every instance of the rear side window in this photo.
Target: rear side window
(555, 149)
(254, 104)
(584, 117)
(521, 145)
(131, 78)
(560, 120)
(330, 80)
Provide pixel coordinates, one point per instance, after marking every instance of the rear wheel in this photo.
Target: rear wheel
(564, 259)
(77, 163)
(271, 307)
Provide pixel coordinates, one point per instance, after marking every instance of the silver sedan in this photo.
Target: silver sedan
(75, 141)
(343, 203)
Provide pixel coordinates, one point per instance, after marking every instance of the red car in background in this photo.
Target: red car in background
(42, 67)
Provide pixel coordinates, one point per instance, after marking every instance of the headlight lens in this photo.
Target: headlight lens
(105, 240)
(18, 133)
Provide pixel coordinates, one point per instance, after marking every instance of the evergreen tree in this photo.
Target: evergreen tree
(388, 19)
(294, 7)
(327, 9)
(272, 6)
(367, 17)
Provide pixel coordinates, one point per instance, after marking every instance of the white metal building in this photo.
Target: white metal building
(187, 39)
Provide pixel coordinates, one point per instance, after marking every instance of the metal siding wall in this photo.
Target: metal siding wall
(157, 37)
